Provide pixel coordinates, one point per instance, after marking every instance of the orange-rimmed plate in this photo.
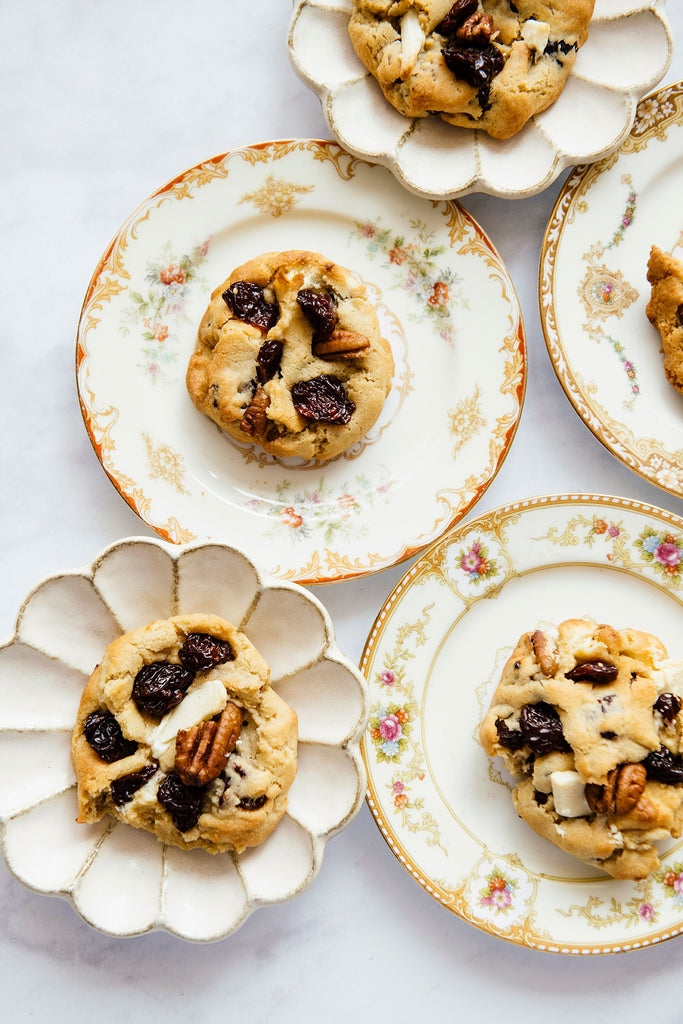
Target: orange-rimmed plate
(437, 282)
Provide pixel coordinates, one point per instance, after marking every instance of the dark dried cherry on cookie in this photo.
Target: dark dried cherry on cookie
(477, 67)
(183, 803)
(252, 803)
(201, 652)
(593, 672)
(268, 359)
(323, 399)
(247, 302)
(542, 728)
(662, 766)
(459, 13)
(558, 46)
(104, 735)
(668, 705)
(160, 687)
(124, 788)
(512, 739)
(318, 309)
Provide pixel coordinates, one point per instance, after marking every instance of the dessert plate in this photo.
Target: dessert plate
(433, 659)
(119, 879)
(436, 281)
(593, 292)
(628, 52)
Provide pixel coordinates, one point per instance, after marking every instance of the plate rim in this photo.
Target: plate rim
(389, 834)
(300, 575)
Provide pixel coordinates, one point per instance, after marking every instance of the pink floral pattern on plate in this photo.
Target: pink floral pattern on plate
(389, 728)
(476, 564)
(498, 893)
(160, 312)
(663, 551)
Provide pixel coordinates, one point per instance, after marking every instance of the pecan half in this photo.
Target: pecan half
(545, 651)
(254, 420)
(622, 790)
(201, 753)
(477, 30)
(341, 345)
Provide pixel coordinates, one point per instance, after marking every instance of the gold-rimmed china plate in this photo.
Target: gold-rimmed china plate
(593, 292)
(432, 661)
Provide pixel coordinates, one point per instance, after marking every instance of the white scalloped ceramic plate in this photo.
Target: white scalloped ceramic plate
(433, 659)
(436, 281)
(61, 632)
(593, 291)
(628, 52)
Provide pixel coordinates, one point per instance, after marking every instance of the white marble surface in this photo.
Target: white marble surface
(100, 103)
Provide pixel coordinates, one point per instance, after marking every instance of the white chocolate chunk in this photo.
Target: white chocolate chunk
(412, 40)
(535, 34)
(669, 677)
(581, 646)
(569, 794)
(198, 705)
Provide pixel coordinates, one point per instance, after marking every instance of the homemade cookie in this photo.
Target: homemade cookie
(591, 723)
(665, 310)
(289, 355)
(487, 64)
(179, 733)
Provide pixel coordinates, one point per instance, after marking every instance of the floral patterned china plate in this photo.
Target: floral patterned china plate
(628, 52)
(436, 281)
(593, 292)
(119, 879)
(432, 661)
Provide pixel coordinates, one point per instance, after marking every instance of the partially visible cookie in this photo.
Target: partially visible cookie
(665, 310)
(289, 355)
(488, 64)
(591, 724)
(179, 733)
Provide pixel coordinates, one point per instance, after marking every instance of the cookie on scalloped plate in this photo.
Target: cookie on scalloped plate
(180, 733)
(489, 64)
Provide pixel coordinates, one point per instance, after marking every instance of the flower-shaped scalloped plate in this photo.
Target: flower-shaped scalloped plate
(121, 880)
(593, 292)
(628, 52)
(433, 659)
(436, 281)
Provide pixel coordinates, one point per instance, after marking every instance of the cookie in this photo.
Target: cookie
(289, 355)
(179, 732)
(665, 310)
(591, 724)
(489, 64)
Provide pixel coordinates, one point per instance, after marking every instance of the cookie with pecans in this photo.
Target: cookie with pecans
(665, 310)
(590, 723)
(489, 64)
(289, 356)
(180, 733)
